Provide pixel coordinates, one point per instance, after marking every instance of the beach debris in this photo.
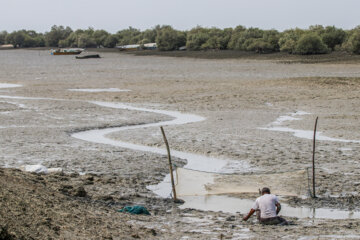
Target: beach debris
(137, 209)
(88, 56)
(38, 168)
(79, 192)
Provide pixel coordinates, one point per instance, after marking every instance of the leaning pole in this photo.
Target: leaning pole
(170, 164)
(313, 159)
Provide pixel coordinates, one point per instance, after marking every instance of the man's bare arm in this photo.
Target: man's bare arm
(249, 215)
(278, 208)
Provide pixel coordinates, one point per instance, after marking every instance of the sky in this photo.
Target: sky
(114, 15)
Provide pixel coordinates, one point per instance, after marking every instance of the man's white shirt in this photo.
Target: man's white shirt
(266, 204)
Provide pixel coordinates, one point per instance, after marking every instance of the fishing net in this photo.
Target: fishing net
(196, 183)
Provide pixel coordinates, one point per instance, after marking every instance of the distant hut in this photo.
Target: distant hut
(150, 46)
(132, 47)
(6, 46)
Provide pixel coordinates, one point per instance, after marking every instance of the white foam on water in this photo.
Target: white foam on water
(96, 90)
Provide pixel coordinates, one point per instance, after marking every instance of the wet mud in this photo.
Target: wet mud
(237, 97)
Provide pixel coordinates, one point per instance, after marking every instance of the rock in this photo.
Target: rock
(153, 232)
(65, 188)
(230, 218)
(106, 198)
(79, 192)
(4, 234)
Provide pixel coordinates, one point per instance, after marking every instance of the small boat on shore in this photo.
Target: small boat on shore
(66, 51)
(88, 56)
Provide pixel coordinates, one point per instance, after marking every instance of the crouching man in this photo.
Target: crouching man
(267, 207)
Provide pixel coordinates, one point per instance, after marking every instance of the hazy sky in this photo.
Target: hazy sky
(113, 15)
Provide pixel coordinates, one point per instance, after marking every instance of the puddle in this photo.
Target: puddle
(9, 85)
(233, 205)
(305, 134)
(32, 98)
(319, 237)
(345, 149)
(19, 105)
(97, 90)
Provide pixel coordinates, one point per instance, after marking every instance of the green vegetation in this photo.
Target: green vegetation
(56, 34)
(353, 42)
(168, 39)
(208, 38)
(316, 39)
(25, 38)
(310, 43)
(3, 35)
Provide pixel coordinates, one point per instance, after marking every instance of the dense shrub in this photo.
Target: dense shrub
(88, 38)
(149, 35)
(333, 37)
(3, 35)
(254, 39)
(330, 36)
(315, 40)
(196, 37)
(110, 41)
(218, 39)
(310, 43)
(56, 34)
(99, 36)
(353, 43)
(169, 39)
(242, 39)
(129, 36)
(16, 38)
(235, 36)
(208, 38)
(25, 38)
(289, 39)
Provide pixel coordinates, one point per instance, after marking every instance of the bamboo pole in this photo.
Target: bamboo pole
(170, 164)
(313, 158)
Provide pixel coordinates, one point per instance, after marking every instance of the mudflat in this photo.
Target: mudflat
(258, 113)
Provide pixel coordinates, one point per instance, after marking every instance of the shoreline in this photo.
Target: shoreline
(281, 57)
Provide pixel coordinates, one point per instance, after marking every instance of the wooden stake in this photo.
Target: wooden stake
(170, 164)
(313, 158)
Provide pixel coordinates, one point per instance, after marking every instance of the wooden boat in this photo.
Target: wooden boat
(88, 56)
(66, 51)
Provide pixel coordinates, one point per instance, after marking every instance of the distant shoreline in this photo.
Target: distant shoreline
(333, 57)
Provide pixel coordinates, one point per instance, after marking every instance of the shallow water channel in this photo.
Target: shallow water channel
(194, 162)
(201, 163)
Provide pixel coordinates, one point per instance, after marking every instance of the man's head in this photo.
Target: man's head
(265, 190)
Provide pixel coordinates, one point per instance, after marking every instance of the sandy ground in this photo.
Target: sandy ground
(237, 97)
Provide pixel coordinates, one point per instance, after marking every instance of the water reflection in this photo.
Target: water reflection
(235, 205)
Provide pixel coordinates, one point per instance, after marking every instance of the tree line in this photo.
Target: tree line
(316, 39)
